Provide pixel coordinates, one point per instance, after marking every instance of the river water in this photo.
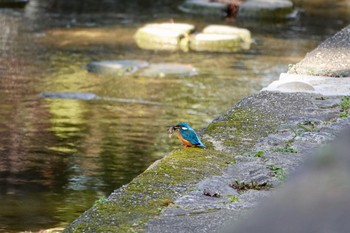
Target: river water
(58, 156)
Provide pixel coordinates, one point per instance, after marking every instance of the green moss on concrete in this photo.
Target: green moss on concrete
(345, 106)
(243, 127)
(143, 198)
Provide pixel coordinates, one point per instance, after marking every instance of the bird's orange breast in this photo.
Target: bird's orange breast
(184, 141)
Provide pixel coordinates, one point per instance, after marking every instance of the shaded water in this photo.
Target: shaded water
(58, 156)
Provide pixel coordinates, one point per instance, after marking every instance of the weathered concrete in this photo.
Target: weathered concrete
(327, 86)
(316, 72)
(316, 200)
(299, 131)
(304, 122)
(251, 151)
(284, 134)
(330, 58)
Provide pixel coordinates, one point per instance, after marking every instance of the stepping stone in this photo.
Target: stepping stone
(164, 36)
(116, 67)
(204, 7)
(215, 42)
(182, 27)
(243, 33)
(171, 36)
(169, 70)
(266, 9)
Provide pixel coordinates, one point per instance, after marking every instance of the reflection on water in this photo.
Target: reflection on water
(57, 156)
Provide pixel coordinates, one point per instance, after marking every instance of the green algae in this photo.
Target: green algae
(127, 209)
(243, 127)
(345, 106)
(258, 154)
(233, 198)
(278, 172)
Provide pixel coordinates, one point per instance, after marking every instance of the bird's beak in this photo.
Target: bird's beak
(174, 126)
(171, 130)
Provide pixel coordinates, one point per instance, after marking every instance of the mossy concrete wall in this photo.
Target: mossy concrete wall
(251, 150)
(255, 144)
(128, 208)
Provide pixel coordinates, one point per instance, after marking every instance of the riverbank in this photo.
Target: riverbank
(251, 150)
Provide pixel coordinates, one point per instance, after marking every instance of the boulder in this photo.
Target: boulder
(116, 67)
(204, 7)
(163, 36)
(169, 70)
(243, 33)
(175, 36)
(215, 42)
(266, 9)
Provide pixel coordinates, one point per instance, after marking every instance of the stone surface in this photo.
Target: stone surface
(266, 9)
(251, 150)
(204, 7)
(327, 86)
(316, 200)
(243, 33)
(300, 130)
(116, 67)
(330, 58)
(162, 70)
(215, 42)
(180, 36)
(182, 27)
(163, 36)
(267, 136)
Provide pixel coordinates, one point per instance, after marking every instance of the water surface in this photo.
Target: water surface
(58, 156)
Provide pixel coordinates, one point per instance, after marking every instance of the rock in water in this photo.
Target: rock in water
(204, 7)
(117, 67)
(266, 9)
(243, 33)
(215, 42)
(169, 70)
(163, 36)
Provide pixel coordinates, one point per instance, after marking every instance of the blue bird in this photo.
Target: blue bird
(187, 135)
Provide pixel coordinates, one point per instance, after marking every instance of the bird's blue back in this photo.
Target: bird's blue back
(190, 135)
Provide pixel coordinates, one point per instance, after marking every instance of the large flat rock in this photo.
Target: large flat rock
(330, 58)
(324, 85)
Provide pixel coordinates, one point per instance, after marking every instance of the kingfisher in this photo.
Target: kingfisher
(187, 135)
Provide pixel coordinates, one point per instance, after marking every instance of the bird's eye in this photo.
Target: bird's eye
(184, 128)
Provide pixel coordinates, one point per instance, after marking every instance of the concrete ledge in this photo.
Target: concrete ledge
(324, 85)
(330, 58)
